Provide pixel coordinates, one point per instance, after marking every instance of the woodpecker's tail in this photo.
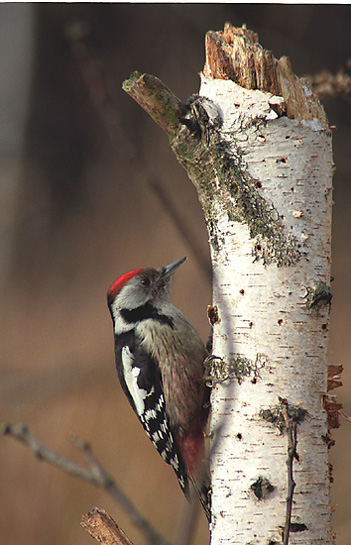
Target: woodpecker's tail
(203, 492)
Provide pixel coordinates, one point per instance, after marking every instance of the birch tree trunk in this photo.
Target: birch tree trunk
(255, 142)
(271, 275)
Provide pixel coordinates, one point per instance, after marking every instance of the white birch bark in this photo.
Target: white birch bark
(271, 290)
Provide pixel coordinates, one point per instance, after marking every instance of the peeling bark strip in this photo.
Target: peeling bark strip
(255, 142)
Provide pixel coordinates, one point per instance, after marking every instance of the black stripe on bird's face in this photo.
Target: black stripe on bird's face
(145, 312)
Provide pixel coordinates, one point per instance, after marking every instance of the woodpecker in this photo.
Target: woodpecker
(159, 361)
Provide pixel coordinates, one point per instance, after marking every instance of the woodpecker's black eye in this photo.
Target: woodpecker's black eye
(145, 281)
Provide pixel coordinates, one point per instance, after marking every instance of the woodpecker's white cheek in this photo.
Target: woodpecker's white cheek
(131, 376)
(119, 324)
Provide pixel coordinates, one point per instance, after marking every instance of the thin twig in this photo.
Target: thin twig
(345, 416)
(325, 84)
(291, 428)
(94, 473)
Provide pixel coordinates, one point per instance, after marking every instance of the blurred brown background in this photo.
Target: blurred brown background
(90, 189)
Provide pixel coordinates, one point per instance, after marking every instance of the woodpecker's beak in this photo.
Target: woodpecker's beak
(172, 267)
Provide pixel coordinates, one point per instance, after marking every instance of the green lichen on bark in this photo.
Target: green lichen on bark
(128, 84)
(224, 185)
(218, 370)
(318, 296)
(276, 415)
(262, 487)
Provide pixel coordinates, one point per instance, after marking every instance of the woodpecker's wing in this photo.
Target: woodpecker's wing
(142, 383)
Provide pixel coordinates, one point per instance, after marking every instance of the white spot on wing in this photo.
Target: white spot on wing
(175, 462)
(159, 405)
(131, 376)
(150, 413)
(163, 427)
(156, 436)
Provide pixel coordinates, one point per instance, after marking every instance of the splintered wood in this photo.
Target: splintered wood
(235, 54)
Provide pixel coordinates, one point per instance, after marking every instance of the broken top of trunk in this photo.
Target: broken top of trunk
(235, 54)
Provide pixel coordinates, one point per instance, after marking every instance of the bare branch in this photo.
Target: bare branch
(101, 526)
(94, 473)
(325, 84)
(157, 100)
(21, 433)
